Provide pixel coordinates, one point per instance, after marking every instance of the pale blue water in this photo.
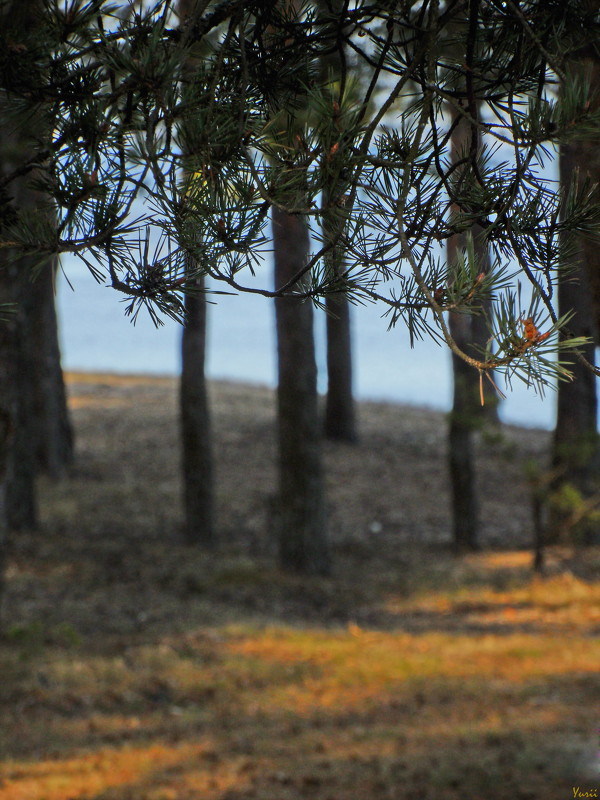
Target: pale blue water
(96, 335)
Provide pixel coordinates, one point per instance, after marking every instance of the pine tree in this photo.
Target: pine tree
(54, 434)
(116, 94)
(300, 516)
(41, 436)
(337, 76)
(468, 331)
(299, 521)
(576, 444)
(194, 412)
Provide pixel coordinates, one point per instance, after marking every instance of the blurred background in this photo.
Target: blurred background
(97, 336)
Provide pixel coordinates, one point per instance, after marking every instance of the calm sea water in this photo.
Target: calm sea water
(96, 335)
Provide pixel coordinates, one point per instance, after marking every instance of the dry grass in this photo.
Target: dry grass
(134, 668)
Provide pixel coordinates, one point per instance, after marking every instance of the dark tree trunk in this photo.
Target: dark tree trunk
(467, 413)
(585, 154)
(575, 437)
(340, 417)
(16, 277)
(195, 422)
(21, 492)
(465, 506)
(196, 440)
(576, 446)
(42, 436)
(7, 414)
(54, 433)
(301, 526)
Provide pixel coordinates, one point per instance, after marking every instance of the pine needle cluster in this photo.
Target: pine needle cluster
(162, 144)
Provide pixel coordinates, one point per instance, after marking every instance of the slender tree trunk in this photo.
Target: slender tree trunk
(21, 489)
(575, 437)
(42, 435)
(42, 438)
(7, 415)
(20, 498)
(196, 439)
(467, 414)
(195, 422)
(585, 155)
(8, 338)
(301, 518)
(461, 459)
(340, 416)
(576, 446)
(54, 432)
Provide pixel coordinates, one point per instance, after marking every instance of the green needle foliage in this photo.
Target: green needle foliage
(261, 126)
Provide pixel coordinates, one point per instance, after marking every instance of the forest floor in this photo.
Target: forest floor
(133, 667)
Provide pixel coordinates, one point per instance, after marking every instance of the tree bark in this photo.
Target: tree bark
(21, 489)
(16, 276)
(586, 156)
(340, 416)
(576, 446)
(300, 523)
(7, 416)
(575, 437)
(195, 422)
(42, 434)
(461, 459)
(54, 432)
(467, 413)
(195, 425)
(43, 437)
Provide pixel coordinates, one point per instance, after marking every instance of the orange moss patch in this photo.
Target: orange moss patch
(92, 773)
(136, 668)
(346, 670)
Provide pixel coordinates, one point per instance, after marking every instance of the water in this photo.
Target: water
(96, 336)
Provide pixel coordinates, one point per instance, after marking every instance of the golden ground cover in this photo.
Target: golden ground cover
(134, 668)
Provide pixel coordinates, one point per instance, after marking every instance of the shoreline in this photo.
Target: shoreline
(117, 378)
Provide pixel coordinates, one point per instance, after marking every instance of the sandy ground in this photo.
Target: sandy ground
(388, 496)
(389, 489)
(136, 668)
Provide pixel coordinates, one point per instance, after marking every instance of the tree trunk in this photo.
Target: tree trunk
(461, 461)
(195, 423)
(467, 413)
(576, 446)
(340, 417)
(43, 437)
(585, 154)
(21, 492)
(16, 275)
(54, 432)
(575, 437)
(301, 518)
(196, 440)
(7, 414)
